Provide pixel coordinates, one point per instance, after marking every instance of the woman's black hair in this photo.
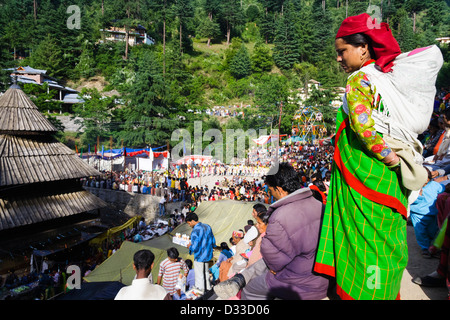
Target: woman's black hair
(224, 246)
(259, 207)
(319, 184)
(360, 39)
(264, 215)
(447, 114)
(430, 176)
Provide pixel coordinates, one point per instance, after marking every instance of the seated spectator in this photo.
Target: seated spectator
(441, 276)
(238, 263)
(141, 288)
(225, 266)
(442, 157)
(190, 278)
(436, 133)
(423, 213)
(262, 219)
(288, 248)
(225, 253)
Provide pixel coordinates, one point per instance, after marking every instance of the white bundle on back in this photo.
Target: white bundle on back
(407, 94)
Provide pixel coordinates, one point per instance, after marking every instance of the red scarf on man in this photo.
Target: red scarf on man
(385, 46)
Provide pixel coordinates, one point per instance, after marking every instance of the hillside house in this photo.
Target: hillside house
(67, 95)
(136, 36)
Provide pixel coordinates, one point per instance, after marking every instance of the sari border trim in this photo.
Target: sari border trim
(345, 296)
(325, 269)
(358, 186)
(331, 271)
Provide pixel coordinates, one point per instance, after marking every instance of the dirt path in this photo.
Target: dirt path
(419, 266)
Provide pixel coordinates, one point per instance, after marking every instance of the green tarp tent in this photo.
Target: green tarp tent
(223, 216)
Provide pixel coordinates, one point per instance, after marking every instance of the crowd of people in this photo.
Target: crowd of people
(359, 192)
(234, 182)
(379, 180)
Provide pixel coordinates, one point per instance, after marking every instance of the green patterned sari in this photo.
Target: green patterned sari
(363, 237)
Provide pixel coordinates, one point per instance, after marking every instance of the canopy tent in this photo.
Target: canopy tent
(93, 291)
(326, 141)
(115, 153)
(293, 139)
(131, 223)
(262, 140)
(223, 216)
(197, 159)
(119, 266)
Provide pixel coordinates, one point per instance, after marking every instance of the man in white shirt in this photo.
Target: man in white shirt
(141, 288)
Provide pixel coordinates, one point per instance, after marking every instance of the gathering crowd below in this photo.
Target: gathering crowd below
(311, 164)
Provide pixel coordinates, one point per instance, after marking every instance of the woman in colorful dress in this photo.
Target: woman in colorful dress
(363, 237)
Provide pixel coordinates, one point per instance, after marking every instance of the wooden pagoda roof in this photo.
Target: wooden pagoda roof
(26, 209)
(38, 159)
(19, 115)
(38, 174)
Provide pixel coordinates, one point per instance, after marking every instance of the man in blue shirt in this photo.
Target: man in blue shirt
(201, 246)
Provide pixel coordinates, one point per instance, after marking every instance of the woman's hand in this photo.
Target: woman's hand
(391, 159)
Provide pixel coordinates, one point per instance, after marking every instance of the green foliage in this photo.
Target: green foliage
(48, 56)
(231, 51)
(267, 26)
(42, 97)
(85, 67)
(287, 43)
(96, 113)
(286, 51)
(240, 65)
(252, 13)
(271, 91)
(146, 116)
(261, 59)
(209, 29)
(322, 100)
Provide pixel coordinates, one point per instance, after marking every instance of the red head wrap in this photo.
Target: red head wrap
(384, 45)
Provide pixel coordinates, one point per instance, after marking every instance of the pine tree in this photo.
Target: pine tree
(240, 66)
(233, 15)
(286, 51)
(267, 25)
(183, 10)
(261, 58)
(48, 56)
(323, 36)
(148, 115)
(305, 30)
(86, 64)
(404, 31)
(209, 29)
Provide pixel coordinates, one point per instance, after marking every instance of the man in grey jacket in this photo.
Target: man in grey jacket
(288, 249)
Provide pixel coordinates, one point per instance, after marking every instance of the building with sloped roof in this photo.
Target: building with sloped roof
(39, 176)
(66, 95)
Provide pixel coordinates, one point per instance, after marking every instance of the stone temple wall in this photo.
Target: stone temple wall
(134, 204)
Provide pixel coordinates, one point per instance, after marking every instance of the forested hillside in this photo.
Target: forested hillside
(207, 53)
